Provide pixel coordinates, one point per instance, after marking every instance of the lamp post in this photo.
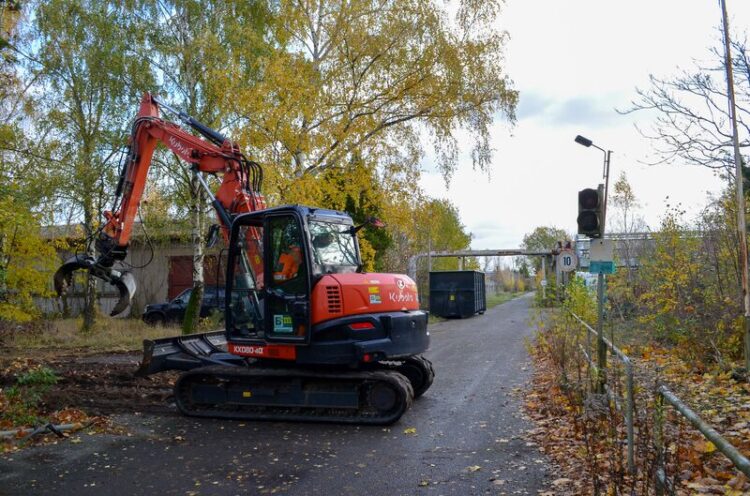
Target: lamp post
(601, 347)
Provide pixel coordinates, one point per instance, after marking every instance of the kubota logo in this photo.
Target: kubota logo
(400, 283)
(400, 297)
(179, 145)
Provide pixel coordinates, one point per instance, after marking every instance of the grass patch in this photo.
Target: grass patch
(109, 335)
(496, 299)
(434, 319)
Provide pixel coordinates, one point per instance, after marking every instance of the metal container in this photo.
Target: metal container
(457, 293)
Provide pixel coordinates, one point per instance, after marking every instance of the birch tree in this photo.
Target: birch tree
(78, 56)
(371, 78)
(196, 48)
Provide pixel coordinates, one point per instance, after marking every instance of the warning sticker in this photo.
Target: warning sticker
(373, 289)
(375, 299)
(282, 324)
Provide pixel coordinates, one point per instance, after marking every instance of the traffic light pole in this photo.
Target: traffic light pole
(601, 347)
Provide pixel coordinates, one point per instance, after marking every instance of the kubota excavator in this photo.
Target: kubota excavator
(309, 336)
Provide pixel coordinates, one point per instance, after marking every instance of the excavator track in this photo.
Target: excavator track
(377, 397)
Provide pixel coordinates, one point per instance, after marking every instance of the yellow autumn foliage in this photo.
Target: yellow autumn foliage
(26, 262)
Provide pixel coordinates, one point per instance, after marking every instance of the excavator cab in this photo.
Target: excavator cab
(295, 246)
(276, 257)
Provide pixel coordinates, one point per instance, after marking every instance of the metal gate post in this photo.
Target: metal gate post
(629, 411)
(660, 475)
(601, 347)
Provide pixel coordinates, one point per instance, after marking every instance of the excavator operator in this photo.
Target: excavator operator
(288, 265)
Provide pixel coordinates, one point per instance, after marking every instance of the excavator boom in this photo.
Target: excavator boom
(238, 193)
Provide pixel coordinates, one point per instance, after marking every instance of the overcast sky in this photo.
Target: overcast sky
(574, 62)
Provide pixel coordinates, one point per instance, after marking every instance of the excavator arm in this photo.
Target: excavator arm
(238, 193)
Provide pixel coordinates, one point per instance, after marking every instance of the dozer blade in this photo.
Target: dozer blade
(186, 353)
(123, 281)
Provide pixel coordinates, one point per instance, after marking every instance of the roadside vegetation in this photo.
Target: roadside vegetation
(23, 409)
(674, 308)
(38, 402)
(21, 400)
(584, 433)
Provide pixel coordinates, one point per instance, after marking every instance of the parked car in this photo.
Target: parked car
(174, 311)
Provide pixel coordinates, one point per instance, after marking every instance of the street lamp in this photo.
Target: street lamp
(600, 345)
(605, 172)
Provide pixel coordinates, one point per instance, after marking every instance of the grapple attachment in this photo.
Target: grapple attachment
(123, 281)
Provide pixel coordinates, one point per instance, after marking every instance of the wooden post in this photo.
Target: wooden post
(741, 226)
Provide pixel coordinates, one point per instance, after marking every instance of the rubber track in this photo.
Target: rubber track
(363, 415)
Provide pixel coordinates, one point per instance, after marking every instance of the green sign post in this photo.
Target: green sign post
(601, 267)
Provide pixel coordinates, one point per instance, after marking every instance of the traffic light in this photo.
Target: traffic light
(591, 212)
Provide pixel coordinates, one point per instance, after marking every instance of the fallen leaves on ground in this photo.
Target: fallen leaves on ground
(589, 446)
(40, 413)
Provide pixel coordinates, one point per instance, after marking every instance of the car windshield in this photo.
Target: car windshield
(209, 292)
(183, 297)
(334, 248)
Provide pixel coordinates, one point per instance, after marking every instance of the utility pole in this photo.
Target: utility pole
(741, 226)
(601, 346)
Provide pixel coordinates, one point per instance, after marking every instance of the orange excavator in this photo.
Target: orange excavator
(309, 336)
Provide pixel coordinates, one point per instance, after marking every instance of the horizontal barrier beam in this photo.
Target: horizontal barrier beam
(737, 458)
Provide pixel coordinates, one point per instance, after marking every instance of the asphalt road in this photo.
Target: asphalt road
(463, 437)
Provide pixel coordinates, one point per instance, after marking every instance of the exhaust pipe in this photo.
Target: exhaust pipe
(123, 281)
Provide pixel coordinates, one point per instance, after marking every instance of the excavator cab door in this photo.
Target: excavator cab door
(286, 295)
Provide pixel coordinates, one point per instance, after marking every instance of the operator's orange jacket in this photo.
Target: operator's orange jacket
(289, 263)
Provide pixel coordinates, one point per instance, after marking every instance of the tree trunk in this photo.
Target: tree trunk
(65, 305)
(192, 312)
(89, 304)
(4, 262)
(89, 297)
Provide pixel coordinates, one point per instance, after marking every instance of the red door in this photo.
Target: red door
(181, 273)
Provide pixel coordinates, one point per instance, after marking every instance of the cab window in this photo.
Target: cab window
(289, 267)
(246, 309)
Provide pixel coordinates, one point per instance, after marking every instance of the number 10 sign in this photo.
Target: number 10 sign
(567, 260)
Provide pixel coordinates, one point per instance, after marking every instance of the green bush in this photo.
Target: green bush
(24, 397)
